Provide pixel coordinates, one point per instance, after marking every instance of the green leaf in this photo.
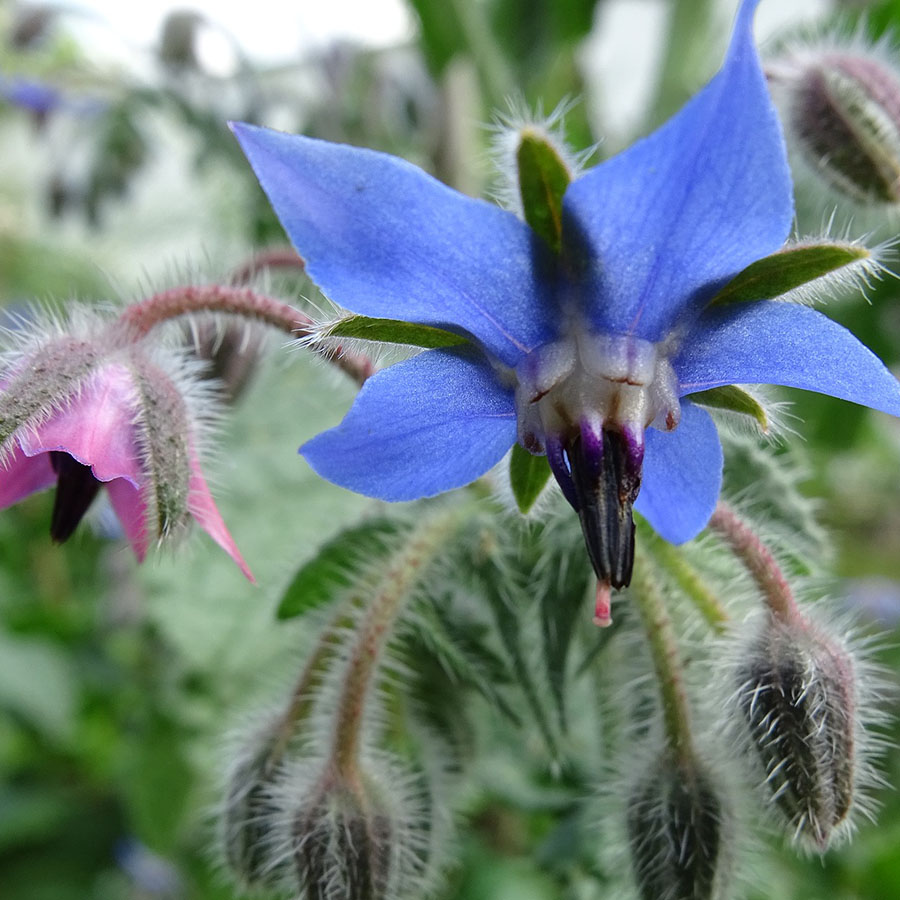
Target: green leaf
(527, 474)
(393, 331)
(787, 269)
(460, 647)
(157, 780)
(734, 399)
(543, 179)
(332, 568)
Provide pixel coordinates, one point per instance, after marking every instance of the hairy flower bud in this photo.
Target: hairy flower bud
(250, 818)
(797, 698)
(678, 832)
(844, 114)
(345, 843)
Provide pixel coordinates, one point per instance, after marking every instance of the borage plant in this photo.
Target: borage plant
(600, 334)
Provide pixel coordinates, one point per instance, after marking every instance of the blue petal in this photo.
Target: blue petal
(682, 476)
(426, 425)
(382, 238)
(781, 343)
(660, 227)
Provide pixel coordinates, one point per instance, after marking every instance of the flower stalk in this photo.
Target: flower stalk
(759, 562)
(667, 665)
(395, 589)
(688, 580)
(139, 319)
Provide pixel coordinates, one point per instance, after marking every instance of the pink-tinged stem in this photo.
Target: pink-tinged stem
(273, 258)
(141, 318)
(758, 560)
(406, 570)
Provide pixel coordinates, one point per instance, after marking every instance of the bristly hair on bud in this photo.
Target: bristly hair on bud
(366, 838)
(679, 825)
(841, 102)
(248, 819)
(804, 708)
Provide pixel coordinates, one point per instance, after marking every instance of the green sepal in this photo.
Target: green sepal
(787, 269)
(543, 179)
(393, 331)
(335, 566)
(734, 399)
(527, 474)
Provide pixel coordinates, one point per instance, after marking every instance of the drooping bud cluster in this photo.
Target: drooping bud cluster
(843, 113)
(678, 831)
(797, 696)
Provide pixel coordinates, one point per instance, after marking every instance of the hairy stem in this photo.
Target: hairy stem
(666, 662)
(758, 561)
(139, 319)
(406, 569)
(688, 579)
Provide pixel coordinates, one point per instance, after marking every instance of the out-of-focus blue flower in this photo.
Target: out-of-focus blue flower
(43, 98)
(590, 356)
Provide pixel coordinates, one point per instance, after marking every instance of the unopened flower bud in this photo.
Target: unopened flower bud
(678, 832)
(250, 819)
(797, 697)
(844, 114)
(345, 843)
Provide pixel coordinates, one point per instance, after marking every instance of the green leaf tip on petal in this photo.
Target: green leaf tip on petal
(791, 268)
(543, 179)
(527, 474)
(318, 581)
(734, 399)
(393, 331)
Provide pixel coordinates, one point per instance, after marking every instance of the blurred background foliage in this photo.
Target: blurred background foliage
(117, 684)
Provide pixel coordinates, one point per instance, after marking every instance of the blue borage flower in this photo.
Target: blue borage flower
(589, 356)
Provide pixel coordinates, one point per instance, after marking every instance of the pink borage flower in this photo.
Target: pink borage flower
(83, 421)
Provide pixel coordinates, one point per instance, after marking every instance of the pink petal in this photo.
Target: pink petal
(131, 510)
(95, 428)
(203, 508)
(22, 475)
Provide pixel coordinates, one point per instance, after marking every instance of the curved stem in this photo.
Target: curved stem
(670, 558)
(396, 586)
(139, 319)
(272, 258)
(758, 560)
(666, 662)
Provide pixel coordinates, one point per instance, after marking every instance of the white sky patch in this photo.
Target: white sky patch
(268, 31)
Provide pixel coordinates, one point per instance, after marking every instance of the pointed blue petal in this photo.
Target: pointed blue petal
(658, 228)
(781, 343)
(426, 425)
(682, 476)
(382, 238)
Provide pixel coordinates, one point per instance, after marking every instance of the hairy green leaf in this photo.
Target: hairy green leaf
(393, 331)
(787, 269)
(734, 399)
(543, 179)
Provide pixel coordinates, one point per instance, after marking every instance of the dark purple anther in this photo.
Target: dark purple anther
(76, 489)
(606, 474)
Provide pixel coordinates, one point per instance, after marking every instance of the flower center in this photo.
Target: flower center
(585, 401)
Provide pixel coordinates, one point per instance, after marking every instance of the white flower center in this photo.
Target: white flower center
(614, 382)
